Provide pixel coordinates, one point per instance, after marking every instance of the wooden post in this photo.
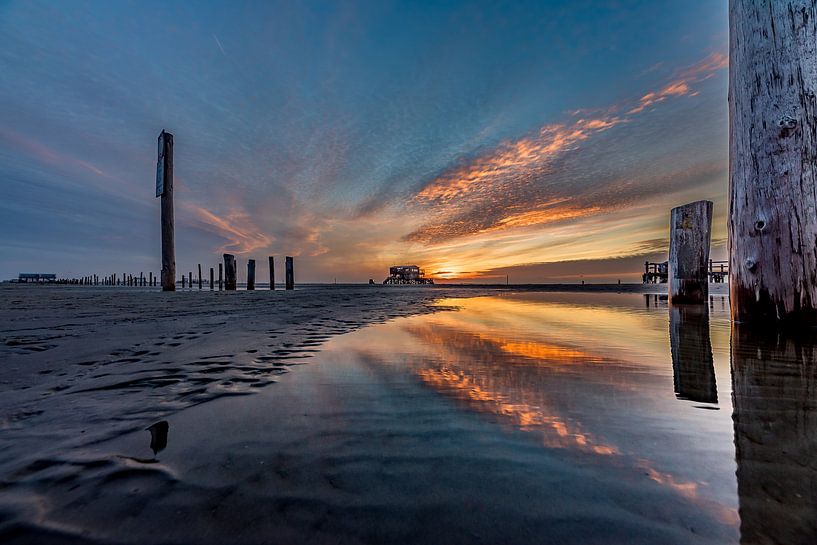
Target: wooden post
(199, 275)
(290, 274)
(772, 157)
(220, 282)
(190, 276)
(271, 273)
(690, 229)
(251, 274)
(164, 189)
(182, 281)
(229, 272)
(150, 278)
(211, 278)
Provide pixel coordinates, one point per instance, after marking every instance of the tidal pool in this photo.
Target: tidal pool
(517, 418)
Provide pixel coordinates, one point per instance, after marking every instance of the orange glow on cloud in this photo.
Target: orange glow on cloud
(242, 235)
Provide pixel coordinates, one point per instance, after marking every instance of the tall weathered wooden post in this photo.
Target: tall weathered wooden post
(229, 272)
(271, 273)
(251, 274)
(290, 274)
(772, 158)
(164, 189)
(690, 232)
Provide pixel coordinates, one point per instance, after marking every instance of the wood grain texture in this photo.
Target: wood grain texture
(690, 233)
(772, 160)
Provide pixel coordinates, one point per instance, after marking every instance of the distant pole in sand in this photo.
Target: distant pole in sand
(199, 275)
(164, 189)
(690, 233)
(251, 274)
(271, 273)
(211, 278)
(772, 157)
(229, 272)
(190, 277)
(220, 281)
(150, 278)
(290, 274)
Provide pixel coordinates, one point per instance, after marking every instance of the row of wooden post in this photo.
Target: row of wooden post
(126, 279)
(230, 273)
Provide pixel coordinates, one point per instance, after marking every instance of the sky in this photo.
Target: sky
(541, 141)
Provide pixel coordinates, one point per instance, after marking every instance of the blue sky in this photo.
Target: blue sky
(476, 139)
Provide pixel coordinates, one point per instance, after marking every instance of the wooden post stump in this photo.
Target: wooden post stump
(772, 158)
(690, 231)
(190, 277)
(251, 274)
(220, 281)
(211, 278)
(199, 275)
(229, 272)
(290, 274)
(271, 273)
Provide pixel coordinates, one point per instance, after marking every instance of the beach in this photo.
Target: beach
(354, 414)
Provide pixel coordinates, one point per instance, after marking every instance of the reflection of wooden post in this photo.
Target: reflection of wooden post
(772, 156)
(693, 368)
(229, 272)
(690, 227)
(290, 274)
(199, 275)
(211, 278)
(220, 281)
(774, 377)
(271, 273)
(165, 172)
(251, 274)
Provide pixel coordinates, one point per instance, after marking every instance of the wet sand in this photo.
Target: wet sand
(363, 445)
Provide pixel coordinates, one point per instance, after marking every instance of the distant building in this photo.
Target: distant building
(407, 274)
(36, 277)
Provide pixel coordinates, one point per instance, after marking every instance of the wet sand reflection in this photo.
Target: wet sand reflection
(692, 364)
(774, 385)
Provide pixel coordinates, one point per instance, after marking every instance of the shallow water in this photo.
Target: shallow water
(519, 418)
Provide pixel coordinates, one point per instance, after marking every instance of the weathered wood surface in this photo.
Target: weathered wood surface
(168, 237)
(251, 274)
(690, 233)
(229, 272)
(271, 273)
(773, 160)
(693, 369)
(290, 273)
(774, 378)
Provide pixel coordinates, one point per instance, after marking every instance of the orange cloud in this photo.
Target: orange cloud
(682, 86)
(511, 159)
(236, 227)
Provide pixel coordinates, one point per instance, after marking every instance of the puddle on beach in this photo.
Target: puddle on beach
(519, 418)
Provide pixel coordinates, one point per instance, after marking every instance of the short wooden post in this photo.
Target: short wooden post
(164, 189)
(199, 275)
(211, 278)
(150, 278)
(772, 158)
(190, 277)
(220, 282)
(290, 274)
(229, 272)
(182, 281)
(251, 274)
(271, 273)
(690, 229)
